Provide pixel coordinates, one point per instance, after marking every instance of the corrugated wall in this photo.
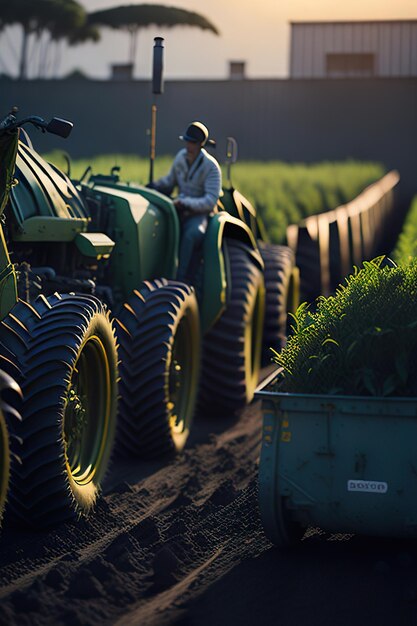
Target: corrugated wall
(292, 120)
(394, 45)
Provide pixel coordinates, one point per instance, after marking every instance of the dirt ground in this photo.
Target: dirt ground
(180, 542)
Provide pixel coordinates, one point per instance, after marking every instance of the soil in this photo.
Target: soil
(180, 542)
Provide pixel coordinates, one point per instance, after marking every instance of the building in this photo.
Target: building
(353, 49)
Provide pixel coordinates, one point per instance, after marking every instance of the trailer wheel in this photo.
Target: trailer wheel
(159, 335)
(232, 347)
(286, 532)
(10, 398)
(67, 350)
(281, 296)
(275, 513)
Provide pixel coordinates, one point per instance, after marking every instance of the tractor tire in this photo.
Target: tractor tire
(232, 347)
(4, 463)
(10, 397)
(281, 296)
(159, 337)
(66, 349)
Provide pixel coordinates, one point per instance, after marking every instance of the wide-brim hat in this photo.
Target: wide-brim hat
(197, 133)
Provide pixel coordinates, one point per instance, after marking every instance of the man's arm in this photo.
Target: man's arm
(166, 184)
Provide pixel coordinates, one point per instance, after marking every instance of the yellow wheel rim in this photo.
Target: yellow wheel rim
(87, 412)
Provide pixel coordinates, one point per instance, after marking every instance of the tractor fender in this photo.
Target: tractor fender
(238, 206)
(221, 226)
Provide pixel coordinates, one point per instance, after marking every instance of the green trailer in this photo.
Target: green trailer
(342, 463)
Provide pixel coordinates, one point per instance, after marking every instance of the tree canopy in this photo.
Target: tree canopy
(134, 17)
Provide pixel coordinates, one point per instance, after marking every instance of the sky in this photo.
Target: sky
(254, 31)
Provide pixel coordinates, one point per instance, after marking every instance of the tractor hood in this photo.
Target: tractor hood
(45, 203)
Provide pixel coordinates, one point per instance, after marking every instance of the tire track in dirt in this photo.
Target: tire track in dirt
(161, 534)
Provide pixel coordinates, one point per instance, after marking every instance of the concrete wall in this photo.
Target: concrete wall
(291, 120)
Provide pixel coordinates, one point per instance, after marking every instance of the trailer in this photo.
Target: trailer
(342, 463)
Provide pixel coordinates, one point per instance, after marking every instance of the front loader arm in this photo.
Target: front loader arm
(8, 151)
(8, 284)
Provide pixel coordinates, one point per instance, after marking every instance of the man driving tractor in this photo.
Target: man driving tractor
(197, 176)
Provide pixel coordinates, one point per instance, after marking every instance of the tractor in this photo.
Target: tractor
(181, 345)
(62, 351)
(119, 242)
(93, 264)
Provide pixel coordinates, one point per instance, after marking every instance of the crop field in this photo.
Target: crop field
(172, 539)
(283, 193)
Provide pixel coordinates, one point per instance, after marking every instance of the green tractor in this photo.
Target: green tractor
(180, 345)
(61, 349)
(119, 242)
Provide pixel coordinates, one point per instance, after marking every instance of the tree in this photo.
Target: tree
(134, 17)
(58, 19)
(29, 16)
(68, 27)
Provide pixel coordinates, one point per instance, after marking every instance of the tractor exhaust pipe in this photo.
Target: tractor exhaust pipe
(157, 89)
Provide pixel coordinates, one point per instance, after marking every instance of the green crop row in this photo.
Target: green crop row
(282, 193)
(406, 247)
(287, 193)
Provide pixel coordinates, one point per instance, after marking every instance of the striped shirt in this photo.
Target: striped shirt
(199, 184)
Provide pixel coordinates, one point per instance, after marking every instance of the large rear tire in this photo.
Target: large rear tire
(281, 296)
(232, 347)
(4, 463)
(159, 335)
(10, 400)
(67, 351)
